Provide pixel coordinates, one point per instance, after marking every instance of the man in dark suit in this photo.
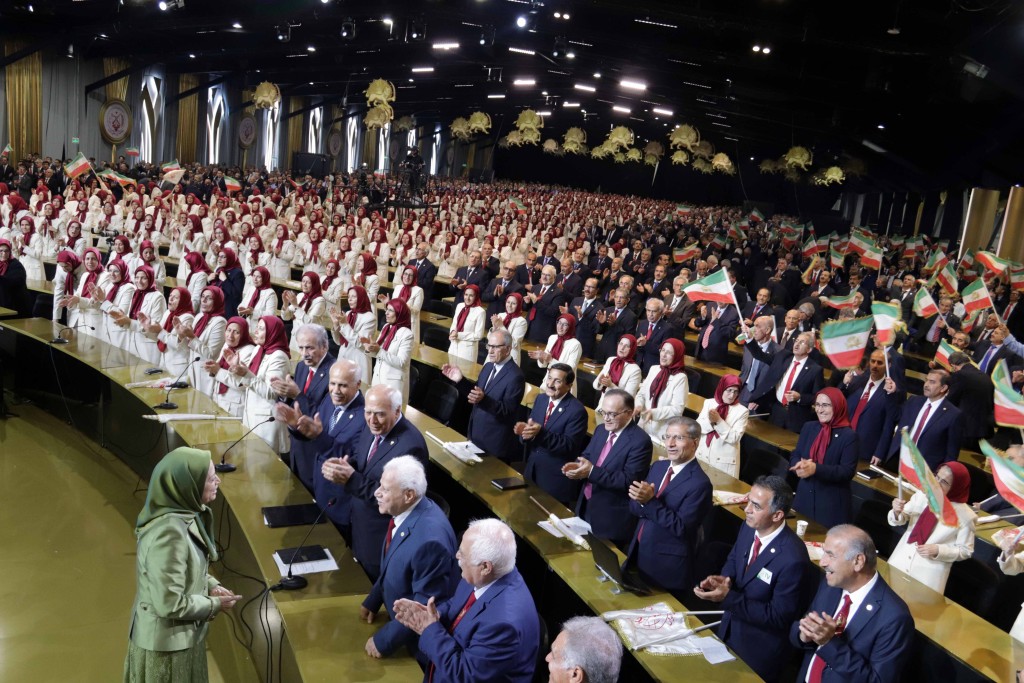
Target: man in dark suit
(787, 390)
(904, 295)
(983, 333)
(544, 302)
(7, 171)
(857, 627)
(760, 305)
(873, 412)
(472, 274)
(528, 274)
(500, 288)
(671, 504)
(568, 281)
(790, 329)
(585, 308)
(651, 334)
(987, 354)
(933, 422)
(679, 309)
(615, 321)
(308, 388)
(13, 287)
(972, 392)
(547, 257)
(610, 281)
(618, 455)
(821, 287)
(752, 369)
(600, 265)
(929, 331)
(336, 423)
(586, 649)
(495, 637)
(425, 272)
(418, 562)
(495, 398)
(387, 435)
(23, 183)
(767, 581)
(488, 260)
(554, 434)
(1013, 314)
(717, 328)
(657, 283)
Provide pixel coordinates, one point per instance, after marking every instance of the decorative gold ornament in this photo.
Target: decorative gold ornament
(684, 136)
(529, 123)
(515, 138)
(705, 150)
(634, 154)
(378, 117)
(601, 151)
(266, 96)
(460, 129)
(829, 176)
(574, 141)
(404, 124)
(550, 146)
(769, 166)
(479, 122)
(619, 157)
(798, 157)
(703, 165)
(620, 138)
(680, 158)
(722, 163)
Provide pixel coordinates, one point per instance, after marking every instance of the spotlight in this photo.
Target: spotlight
(487, 35)
(348, 29)
(165, 5)
(417, 29)
(520, 20)
(284, 33)
(70, 54)
(561, 47)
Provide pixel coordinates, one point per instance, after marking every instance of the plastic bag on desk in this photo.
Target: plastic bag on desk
(655, 628)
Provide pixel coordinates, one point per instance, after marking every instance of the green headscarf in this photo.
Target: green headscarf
(176, 487)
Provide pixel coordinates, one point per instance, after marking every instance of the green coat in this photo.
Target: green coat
(172, 603)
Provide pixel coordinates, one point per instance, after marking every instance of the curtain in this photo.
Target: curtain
(118, 90)
(295, 131)
(188, 119)
(24, 102)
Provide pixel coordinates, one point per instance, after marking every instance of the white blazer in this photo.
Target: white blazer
(365, 327)
(724, 452)
(392, 364)
(195, 289)
(415, 304)
(231, 401)
(154, 306)
(87, 310)
(281, 266)
(111, 333)
(467, 343)
(630, 380)
(260, 398)
(670, 403)
(516, 328)
(266, 304)
(176, 358)
(208, 346)
(955, 543)
(572, 350)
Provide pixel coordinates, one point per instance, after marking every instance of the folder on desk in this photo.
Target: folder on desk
(291, 515)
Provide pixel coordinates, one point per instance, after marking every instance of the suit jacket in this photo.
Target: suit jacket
(558, 442)
(982, 348)
(680, 318)
(492, 419)
(669, 524)
(607, 510)
(597, 266)
(971, 391)
(875, 645)
(650, 354)
(369, 526)
(495, 641)
(765, 598)
(624, 323)
(722, 332)
(572, 286)
(419, 564)
(527, 276)
(940, 440)
(825, 496)
(303, 452)
(878, 420)
(906, 303)
(495, 302)
(750, 378)
(333, 445)
(922, 326)
(425, 274)
(587, 326)
(543, 314)
(480, 277)
(808, 382)
(1016, 319)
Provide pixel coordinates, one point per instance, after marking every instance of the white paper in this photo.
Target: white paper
(185, 417)
(714, 650)
(575, 524)
(728, 497)
(159, 383)
(465, 451)
(300, 568)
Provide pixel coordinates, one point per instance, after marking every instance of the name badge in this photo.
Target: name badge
(765, 575)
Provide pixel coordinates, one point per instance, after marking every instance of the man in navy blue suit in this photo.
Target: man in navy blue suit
(717, 328)
(425, 271)
(651, 333)
(472, 274)
(618, 455)
(500, 289)
(489, 630)
(555, 434)
(933, 422)
(873, 412)
(418, 562)
(308, 388)
(787, 390)
(495, 397)
(671, 504)
(766, 583)
(545, 301)
(337, 422)
(585, 309)
(387, 435)
(857, 628)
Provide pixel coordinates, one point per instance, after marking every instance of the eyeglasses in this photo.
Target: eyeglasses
(822, 405)
(606, 415)
(678, 437)
(496, 346)
(946, 482)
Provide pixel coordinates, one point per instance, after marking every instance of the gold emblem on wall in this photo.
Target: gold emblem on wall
(115, 121)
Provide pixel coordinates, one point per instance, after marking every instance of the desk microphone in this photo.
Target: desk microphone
(293, 583)
(167, 405)
(228, 467)
(59, 339)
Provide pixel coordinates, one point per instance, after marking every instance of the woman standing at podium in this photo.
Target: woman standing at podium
(176, 598)
(269, 361)
(350, 328)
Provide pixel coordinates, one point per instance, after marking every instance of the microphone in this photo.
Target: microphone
(167, 405)
(59, 339)
(228, 467)
(293, 583)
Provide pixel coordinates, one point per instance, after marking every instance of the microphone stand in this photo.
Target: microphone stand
(292, 583)
(223, 466)
(167, 405)
(59, 339)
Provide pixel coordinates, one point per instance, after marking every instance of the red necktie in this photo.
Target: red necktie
(661, 489)
(924, 419)
(309, 380)
(650, 330)
(588, 490)
(373, 448)
(547, 415)
(462, 612)
(789, 382)
(862, 404)
(755, 552)
(706, 338)
(818, 664)
(1008, 312)
(391, 530)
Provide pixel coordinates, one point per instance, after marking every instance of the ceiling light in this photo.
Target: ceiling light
(524, 81)
(284, 33)
(496, 96)
(543, 113)
(422, 69)
(881, 126)
(633, 85)
(597, 74)
(311, 82)
(388, 20)
(581, 86)
(521, 21)
(894, 31)
(446, 46)
(655, 23)
(191, 55)
(624, 110)
(570, 104)
(417, 29)
(236, 25)
(570, 54)
(723, 125)
(873, 147)
(410, 80)
(766, 50)
(311, 48)
(348, 29)
(663, 112)
(325, 1)
(756, 48)
(558, 15)
(522, 51)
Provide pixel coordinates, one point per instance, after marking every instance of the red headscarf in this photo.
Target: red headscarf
(619, 364)
(378, 239)
(958, 493)
(362, 306)
(314, 289)
(140, 294)
(230, 263)
(91, 276)
(196, 264)
(367, 267)
(460, 322)
(402, 319)
(556, 348)
(518, 313)
(325, 284)
(69, 281)
(123, 269)
(72, 240)
(405, 291)
(217, 310)
(264, 284)
(275, 340)
(146, 244)
(727, 382)
(195, 225)
(184, 307)
(244, 340)
(10, 251)
(839, 419)
(661, 380)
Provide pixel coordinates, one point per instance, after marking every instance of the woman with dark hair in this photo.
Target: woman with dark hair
(176, 598)
(270, 361)
(393, 349)
(13, 290)
(225, 392)
(723, 421)
(231, 280)
(663, 393)
(468, 325)
(259, 298)
(621, 371)
(825, 460)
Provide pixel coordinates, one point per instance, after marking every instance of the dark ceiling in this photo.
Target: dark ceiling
(933, 86)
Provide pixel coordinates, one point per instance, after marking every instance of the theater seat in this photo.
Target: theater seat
(435, 337)
(439, 403)
(759, 461)
(974, 584)
(872, 518)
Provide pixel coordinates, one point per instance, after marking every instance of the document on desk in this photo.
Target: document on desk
(186, 417)
(714, 650)
(575, 524)
(159, 383)
(465, 451)
(302, 568)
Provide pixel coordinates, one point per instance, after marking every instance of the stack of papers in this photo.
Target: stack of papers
(159, 383)
(575, 525)
(300, 568)
(464, 451)
(728, 498)
(184, 417)
(659, 630)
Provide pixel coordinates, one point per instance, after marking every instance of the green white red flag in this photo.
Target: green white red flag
(937, 261)
(77, 166)
(715, 287)
(131, 151)
(1009, 404)
(7, 149)
(1008, 475)
(924, 304)
(170, 166)
(872, 258)
(718, 242)
(992, 262)
(756, 215)
(945, 277)
(943, 353)
(914, 468)
(515, 202)
(686, 253)
(887, 317)
(968, 323)
(976, 296)
(736, 233)
(683, 209)
(967, 260)
(840, 302)
(835, 257)
(1017, 277)
(231, 184)
(860, 244)
(844, 341)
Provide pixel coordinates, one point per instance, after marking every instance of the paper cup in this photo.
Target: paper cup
(801, 528)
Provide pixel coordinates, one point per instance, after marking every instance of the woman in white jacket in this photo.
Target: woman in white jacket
(468, 325)
(147, 304)
(83, 307)
(197, 278)
(259, 298)
(723, 422)
(929, 547)
(333, 285)
(412, 294)
(621, 370)
(205, 337)
(32, 248)
(270, 361)
(282, 251)
(562, 346)
(116, 304)
(350, 329)
(365, 275)
(225, 392)
(515, 322)
(393, 349)
(174, 351)
(663, 393)
(307, 308)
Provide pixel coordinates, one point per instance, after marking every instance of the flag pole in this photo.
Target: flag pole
(885, 355)
(899, 485)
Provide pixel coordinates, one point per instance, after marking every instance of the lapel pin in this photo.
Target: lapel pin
(772, 550)
(867, 607)
(391, 443)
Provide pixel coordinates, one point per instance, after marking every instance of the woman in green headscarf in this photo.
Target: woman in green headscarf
(176, 596)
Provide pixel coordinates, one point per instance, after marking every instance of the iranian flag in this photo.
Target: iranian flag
(992, 262)
(836, 257)
(1017, 277)
(968, 323)
(718, 242)
(686, 253)
(937, 261)
(683, 210)
(924, 304)
(946, 279)
(967, 260)
(790, 241)
(812, 247)
(910, 247)
(872, 258)
(756, 215)
(887, 316)
(131, 151)
(736, 233)
(515, 202)
(1008, 402)
(914, 468)
(715, 287)
(976, 296)
(860, 243)
(231, 184)
(122, 180)
(172, 177)
(839, 302)
(78, 166)
(170, 166)
(1008, 475)
(7, 149)
(943, 353)
(844, 341)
